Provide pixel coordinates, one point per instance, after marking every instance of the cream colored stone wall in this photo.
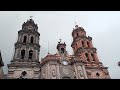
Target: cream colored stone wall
(30, 73)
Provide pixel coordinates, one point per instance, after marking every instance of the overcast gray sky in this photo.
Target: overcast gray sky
(102, 26)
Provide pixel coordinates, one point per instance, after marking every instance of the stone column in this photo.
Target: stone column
(85, 43)
(76, 73)
(26, 53)
(36, 41)
(58, 71)
(91, 45)
(90, 57)
(76, 46)
(22, 37)
(28, 39)
(96, 58)
(19, 53)
(15, 53)
(80, 43)
(36, 53)
(84, 72)
(84, 56)
(48, 71)
(19, 37)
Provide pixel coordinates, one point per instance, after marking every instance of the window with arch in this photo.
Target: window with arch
(77, 34)
(23, 73)
(22, 54)
(76, 45)
(83, 43)
(97, 74)
(25, 39)
(30, 54)
(86, 54)
(62, 50)
(93, 57)
(88, 44)
(31, 40)
(34, 29)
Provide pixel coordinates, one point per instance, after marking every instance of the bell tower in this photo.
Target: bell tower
(82, 45)
(25, 62)
(87, 53)
(61, 47)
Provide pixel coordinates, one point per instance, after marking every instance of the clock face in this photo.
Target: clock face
(64, 62)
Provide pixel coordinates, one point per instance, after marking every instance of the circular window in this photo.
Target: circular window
(24, 73)
(97, 74)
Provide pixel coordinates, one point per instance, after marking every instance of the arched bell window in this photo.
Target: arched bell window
(30, 54)
(88, 44)
(83, 43)
(93, 57)
(86, 54)
(97, 74)
(31, 40)
(77, 34)
(22, 54)
(25, 39)
(62, 50)
(24, 73)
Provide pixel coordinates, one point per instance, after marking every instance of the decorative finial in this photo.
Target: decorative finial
(31, 17)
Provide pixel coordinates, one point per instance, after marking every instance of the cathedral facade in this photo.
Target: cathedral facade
(83, 64)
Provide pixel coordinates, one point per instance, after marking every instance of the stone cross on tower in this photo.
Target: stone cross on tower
(31, 17)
